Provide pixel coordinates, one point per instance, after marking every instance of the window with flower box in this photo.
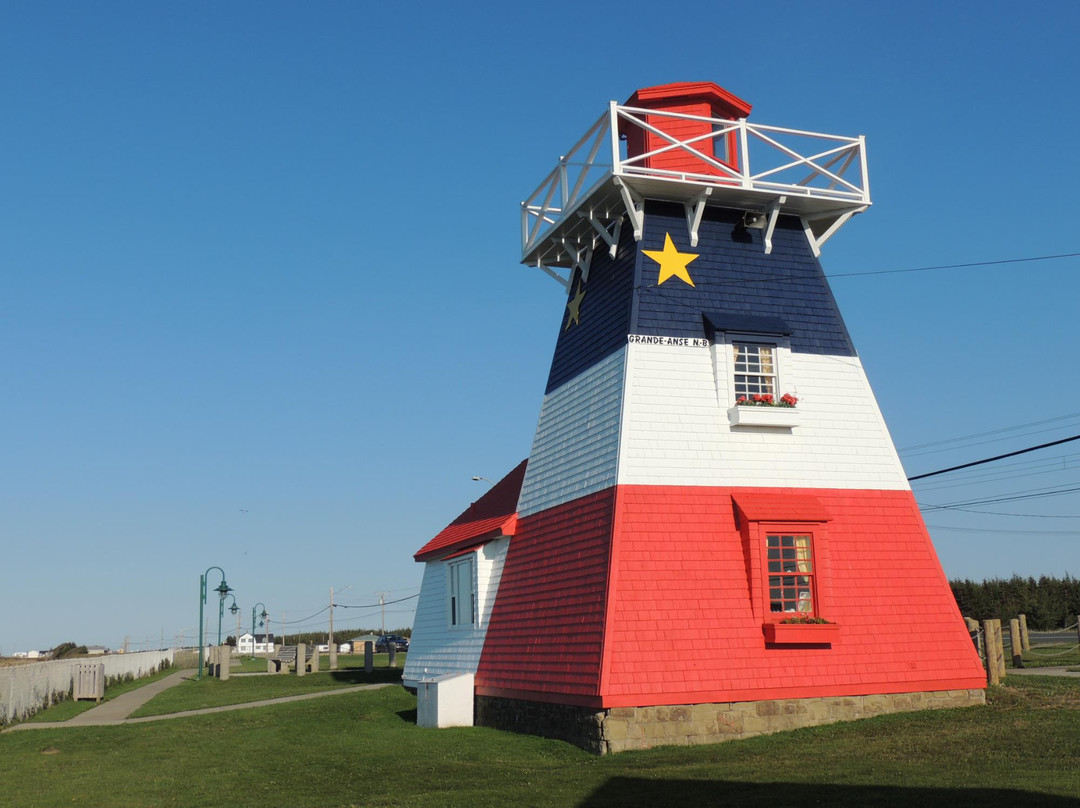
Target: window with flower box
(755, 370)
(790, 568)
(786, 541)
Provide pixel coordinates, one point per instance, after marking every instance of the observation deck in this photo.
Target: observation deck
(634, 153)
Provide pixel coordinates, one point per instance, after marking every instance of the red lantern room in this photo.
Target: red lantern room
(687, 114)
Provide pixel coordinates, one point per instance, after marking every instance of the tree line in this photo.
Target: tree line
(1049, 603)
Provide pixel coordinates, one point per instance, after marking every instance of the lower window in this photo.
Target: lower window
(791, 573)
(462, 597)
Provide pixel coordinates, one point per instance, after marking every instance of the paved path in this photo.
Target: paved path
(116, 711)
(1057, 670)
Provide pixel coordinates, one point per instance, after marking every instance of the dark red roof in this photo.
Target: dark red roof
(491, 516)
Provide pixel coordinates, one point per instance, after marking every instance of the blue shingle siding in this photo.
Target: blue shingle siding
(605, 312)
(734, 280)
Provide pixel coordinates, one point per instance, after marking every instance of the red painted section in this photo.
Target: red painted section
(701, 98)
(690, 583)
(546, 630)
(661, 600)
(490, 516)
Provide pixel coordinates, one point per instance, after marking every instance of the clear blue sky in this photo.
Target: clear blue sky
(261, 306)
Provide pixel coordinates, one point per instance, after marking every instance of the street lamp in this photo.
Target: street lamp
(233, 610)
(262, 621)
(222, 589)
(485, 480)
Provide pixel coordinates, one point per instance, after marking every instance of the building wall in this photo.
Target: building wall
(547, 627)
(683, 626)
(624, 728)
(675, 428)
(436, 647)
(576, 446)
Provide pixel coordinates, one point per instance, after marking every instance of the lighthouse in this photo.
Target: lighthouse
(713, 536)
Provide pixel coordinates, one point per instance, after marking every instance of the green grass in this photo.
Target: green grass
(68, 709)
(195, 694)
(363, 749)
(1042, 656)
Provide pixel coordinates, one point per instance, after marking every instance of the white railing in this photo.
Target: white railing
(769, 161)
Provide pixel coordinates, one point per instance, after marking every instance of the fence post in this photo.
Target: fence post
(1078, 628)
(1025, 640)
(995, 653)
(976, 635)
(1017, 645)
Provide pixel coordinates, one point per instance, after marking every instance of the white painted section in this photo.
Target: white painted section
(677, 431)
(576, 447)
(445, 701)
(437, 648)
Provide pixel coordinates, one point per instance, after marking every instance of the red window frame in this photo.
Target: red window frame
(790, 573)
(755, 534)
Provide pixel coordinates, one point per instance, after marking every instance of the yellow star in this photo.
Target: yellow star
(574, 307)
(672, 262)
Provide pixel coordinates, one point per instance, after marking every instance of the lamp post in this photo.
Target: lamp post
(262, 621)
(222, 589)
(234, 610)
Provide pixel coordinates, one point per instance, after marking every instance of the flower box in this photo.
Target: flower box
(800, 633)
(749, 415)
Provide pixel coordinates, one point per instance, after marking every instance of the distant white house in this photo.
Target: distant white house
(255, 644)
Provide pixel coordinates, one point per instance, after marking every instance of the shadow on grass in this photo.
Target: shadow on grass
(632, 791)
(357, 676)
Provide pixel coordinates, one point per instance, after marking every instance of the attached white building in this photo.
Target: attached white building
(463, 566)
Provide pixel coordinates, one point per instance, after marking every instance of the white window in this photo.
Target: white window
(755, 370)
(462, 593)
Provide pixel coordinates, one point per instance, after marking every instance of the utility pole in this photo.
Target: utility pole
(382, 607)
(333, 648)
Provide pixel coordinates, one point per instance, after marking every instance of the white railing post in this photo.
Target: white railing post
(744, 148)
(865, 178)
(613, 125)
(564, 185)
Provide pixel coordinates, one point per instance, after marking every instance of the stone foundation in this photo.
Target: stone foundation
(620, 728)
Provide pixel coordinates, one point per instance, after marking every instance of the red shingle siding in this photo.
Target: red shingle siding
(682, 626)
(545, 635)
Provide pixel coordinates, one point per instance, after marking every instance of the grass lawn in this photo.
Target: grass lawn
(210, 692)
(363, 749)
(1041, 656)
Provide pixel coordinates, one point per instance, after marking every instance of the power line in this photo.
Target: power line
(993, 459)
(376, 605)
(991, 432)
(1038, 493)
(1007, 531)
(959, 266)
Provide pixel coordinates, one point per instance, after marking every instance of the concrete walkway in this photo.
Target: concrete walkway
(116, 711)
(1057, 670)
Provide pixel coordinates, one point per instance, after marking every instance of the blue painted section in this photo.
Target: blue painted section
(736, 283)
(605, 312)
(737, 287)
